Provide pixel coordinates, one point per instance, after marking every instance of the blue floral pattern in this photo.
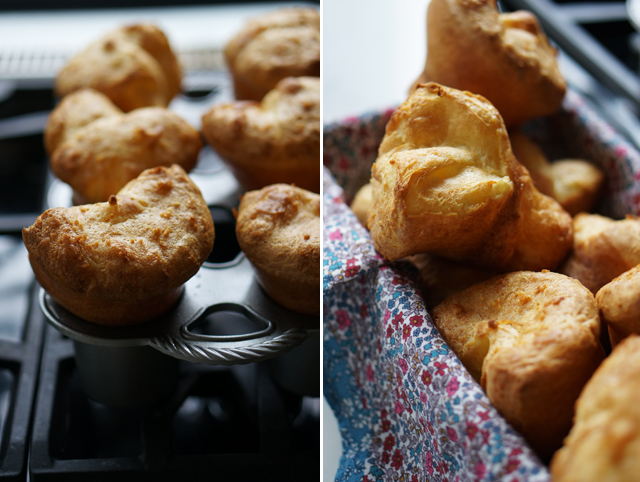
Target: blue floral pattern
(408, 410)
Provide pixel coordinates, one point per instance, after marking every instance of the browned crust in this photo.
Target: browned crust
(504, 57)
(531, 340)
(136, 249)
(134, 66)
(279, 44)
(276, 141)
(278, 228)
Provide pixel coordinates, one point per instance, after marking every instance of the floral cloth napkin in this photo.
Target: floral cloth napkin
(407, 408)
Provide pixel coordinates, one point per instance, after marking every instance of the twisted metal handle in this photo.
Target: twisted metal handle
(201, 352)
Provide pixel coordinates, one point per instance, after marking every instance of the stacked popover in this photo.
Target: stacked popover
(134, 66)
(276, 141)
(604, 443)
(124, 261)
(278, 228)
(532, 341)
(279, 44)
(446, 182)
(97, 149)
(505, 57)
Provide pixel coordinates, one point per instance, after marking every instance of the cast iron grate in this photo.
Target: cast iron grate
(231, 423)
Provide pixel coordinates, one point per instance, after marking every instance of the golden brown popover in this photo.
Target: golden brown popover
(279, 44)
(504, 57)
(604, 443)
(619, 304)
(134, 66)
(362, 203)
(276, 141)
(278, 229)
(446, 182)
(124, 261)
(531, 341)
(602, 249)
(97, 149)
(576, 184)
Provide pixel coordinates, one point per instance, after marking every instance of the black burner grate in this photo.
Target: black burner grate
(233, 423)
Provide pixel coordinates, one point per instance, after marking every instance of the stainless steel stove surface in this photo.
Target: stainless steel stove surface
(232, 422)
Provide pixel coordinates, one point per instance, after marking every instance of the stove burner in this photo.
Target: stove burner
(231, 422)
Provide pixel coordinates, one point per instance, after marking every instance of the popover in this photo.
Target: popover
(446, 182)
(278, 229)
(124, 261)
(134, 66)
(96, 148)
(276, 141)
(505, 57)
(531, 340)
(279, 44)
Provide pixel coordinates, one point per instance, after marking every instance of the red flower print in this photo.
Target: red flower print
(414, 478)
(363, 310)
(352, 268)
(406, 332)
(429, 462)
(389, 331)
(452, 386)
(404, 365)
(484, 416)
(416, 320)
(389, 442)
(426, 377)
(383, 414)
(370, 375)
(452, 434)
(479, 470)
(423, 397)
(485, 436)
(343, 319)
(365, 479)
(397, 319)
(385, 457)
(441, 367)
(398, 407)
(396, 280)
(515, 451)
(387, 315)
(512, 464)
(472, 430)
(396, 461)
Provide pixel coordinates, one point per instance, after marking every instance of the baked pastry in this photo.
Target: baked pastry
(97, 149)
(504, 57)
(576, 184)
(278, 229)
(619, 304)
(134, 66)
(362, 203)
(531, 341)
(446, 182)
(604, 443)
(279, 44)
(276, 141)
(602, 249)
(124, 261)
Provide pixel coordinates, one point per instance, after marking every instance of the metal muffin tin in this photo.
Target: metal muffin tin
(137, 365)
